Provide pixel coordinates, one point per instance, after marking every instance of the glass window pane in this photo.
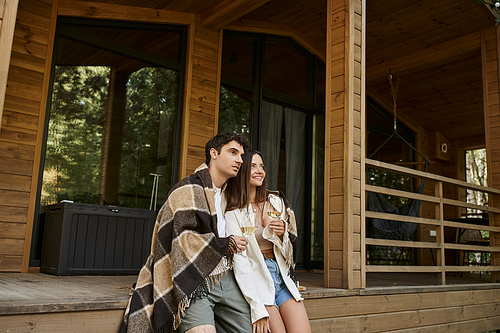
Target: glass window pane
(161, 43)
(280, 59)
(148, 136)
(112, 121)
(318, 183)
(235, 111)
(237, 59)
(320, 86)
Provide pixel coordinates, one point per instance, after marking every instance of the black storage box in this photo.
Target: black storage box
(83, 239)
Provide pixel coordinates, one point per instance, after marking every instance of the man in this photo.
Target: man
(187, 281)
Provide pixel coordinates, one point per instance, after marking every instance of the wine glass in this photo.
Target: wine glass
(273, 213)
(248, 225)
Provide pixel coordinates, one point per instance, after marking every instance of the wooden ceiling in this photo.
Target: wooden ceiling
(433, 47)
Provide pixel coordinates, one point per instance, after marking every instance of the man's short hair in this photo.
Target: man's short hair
(221, 139)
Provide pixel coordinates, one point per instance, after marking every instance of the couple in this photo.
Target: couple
(196, 279)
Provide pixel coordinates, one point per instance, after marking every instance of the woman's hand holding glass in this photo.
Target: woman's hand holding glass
(276, 223)
(248, 225)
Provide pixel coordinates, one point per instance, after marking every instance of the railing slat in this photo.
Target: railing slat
(470, 205)
(403, 269)
(398, 243)
(426, 175)
(399, 193)
(462, 225)
(402, 218)
(473, 268)
(478, 248)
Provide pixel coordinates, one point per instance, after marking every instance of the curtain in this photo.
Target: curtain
(295, 129)
(271, 118)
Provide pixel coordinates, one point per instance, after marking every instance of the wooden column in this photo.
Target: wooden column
(344, 151)
(201, 97)
(109, 182)
(8, 12)
(490, 50)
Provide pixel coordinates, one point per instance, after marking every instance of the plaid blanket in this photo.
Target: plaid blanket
(185, 250)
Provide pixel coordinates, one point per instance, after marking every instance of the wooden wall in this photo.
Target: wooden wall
(491, 94)
(344, 139)
(203, 89)
(22, 127)
(26, 96)
(472, 311)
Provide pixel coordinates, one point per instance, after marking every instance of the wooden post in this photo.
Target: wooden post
(344, 153)
(440, 232)
(490, 54)
(7, 24)
(202, 87)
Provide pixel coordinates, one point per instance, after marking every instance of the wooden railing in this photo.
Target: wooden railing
(439, 222)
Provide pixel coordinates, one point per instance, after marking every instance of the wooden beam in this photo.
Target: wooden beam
(425, 58)
(123, 13)
(228, 11)
(186, 105)
(6, 37)
(279, 30)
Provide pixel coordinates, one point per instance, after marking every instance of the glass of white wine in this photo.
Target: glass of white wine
(273, 213)
(248, 226)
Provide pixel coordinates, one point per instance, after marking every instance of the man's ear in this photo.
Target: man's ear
(213, 153)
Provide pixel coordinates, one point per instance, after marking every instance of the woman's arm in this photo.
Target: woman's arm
(243, 270)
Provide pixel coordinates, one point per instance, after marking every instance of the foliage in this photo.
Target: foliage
(75, 134)
(234, 113)
(148, 135)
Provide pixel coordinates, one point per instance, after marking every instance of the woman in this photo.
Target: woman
(269, 252)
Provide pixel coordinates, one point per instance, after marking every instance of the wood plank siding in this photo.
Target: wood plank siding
(202, 95)
(436, 312)
(22, 128)
(491, 94)
(344, 142)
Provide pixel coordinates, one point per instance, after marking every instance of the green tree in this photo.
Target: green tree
(75, 133)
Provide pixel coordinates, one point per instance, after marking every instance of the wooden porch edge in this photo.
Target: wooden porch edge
(329, 292)
(21, 307)
(53, 306)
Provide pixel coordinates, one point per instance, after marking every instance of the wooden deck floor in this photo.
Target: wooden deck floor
(38, 302)
(40, 293)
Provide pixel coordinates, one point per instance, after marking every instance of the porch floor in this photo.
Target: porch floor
(42, 293)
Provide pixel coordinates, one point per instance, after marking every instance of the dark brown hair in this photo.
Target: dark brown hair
(221, 139)
(238, 188)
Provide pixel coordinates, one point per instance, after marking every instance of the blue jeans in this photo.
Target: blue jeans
(281, 292)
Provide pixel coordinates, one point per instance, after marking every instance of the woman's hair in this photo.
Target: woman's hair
(238, 188)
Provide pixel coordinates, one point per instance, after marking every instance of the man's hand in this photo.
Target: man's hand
(240, 243)
(261, 326)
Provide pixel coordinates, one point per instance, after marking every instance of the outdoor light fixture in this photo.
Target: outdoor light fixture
(494, 7)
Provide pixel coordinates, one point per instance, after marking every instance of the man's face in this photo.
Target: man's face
(228, 162)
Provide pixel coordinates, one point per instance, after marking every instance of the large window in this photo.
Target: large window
(282, 112)
(113, 119)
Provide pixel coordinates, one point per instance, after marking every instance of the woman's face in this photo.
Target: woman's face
(257, 172)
